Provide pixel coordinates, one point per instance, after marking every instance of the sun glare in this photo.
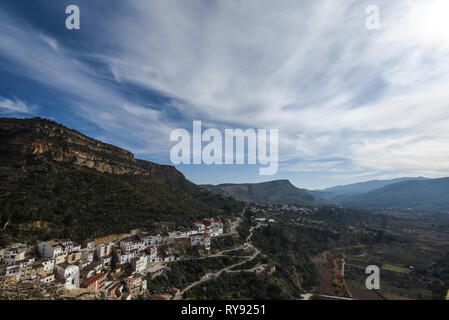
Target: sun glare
(430, 21)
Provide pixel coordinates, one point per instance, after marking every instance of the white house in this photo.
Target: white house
(103, 250)
(106, 261)
(216, 229)
(128, 245)
(13, 271)
(13, 255)
(125, 257)
(47, 278)
(153, 240)
(139, 264)
(69, 274)
(152, 254)
(52, 249)
(68, 246)
(49, 265)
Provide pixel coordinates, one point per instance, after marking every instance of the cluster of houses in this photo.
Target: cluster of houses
(88, 265)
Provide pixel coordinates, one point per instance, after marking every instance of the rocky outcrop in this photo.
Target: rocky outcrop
(47, 138)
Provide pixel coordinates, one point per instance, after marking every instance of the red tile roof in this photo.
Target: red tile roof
(91, 280)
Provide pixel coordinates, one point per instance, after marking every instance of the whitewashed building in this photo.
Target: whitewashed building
(103, 250)
(13, 255)
(128, 245)
(153, 240)
(125, 257)
(69, 274)
(49, 265)
(139, 264)
(52, 249)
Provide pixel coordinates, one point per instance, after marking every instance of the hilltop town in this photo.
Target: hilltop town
(117, 270)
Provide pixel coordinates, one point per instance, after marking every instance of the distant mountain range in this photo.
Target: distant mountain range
(422, 194)
(279, 192)
(339, 193)
(403, 193)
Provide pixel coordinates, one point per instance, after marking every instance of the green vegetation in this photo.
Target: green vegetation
(280, 191)
(42, 199)
(183, 273)
(238, 286)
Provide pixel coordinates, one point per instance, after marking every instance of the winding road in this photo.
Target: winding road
(179, 294)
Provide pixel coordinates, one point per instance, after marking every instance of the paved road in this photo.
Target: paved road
(235, 225)
(178, 295)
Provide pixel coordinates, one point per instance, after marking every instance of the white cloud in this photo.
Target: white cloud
(14, 106)
(42, 59)
(335, 90)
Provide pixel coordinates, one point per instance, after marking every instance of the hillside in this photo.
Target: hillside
(425, 195)
(279, 192)
(57, 182)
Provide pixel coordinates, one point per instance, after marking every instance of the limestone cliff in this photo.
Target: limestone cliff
(45, 137)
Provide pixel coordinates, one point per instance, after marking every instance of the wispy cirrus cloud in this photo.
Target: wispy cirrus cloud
(311, 69)
(78, 86)
(14, 106)
(376, 100)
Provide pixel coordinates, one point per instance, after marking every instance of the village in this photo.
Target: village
(115, 270)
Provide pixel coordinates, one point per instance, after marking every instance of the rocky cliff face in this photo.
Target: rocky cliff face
(45, 180)
(47, 138)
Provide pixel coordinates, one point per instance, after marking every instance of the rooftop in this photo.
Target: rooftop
(92, 279)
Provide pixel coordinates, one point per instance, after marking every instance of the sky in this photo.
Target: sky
(350, 103)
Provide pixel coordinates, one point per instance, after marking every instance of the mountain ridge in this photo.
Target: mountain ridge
(39, 136)
(419, 195)
(78, 187)
(340, 192)
(276, 191)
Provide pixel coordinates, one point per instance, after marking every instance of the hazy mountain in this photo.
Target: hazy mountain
(57, 182)
(279, 191)
(339, 193)
(425, 195)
